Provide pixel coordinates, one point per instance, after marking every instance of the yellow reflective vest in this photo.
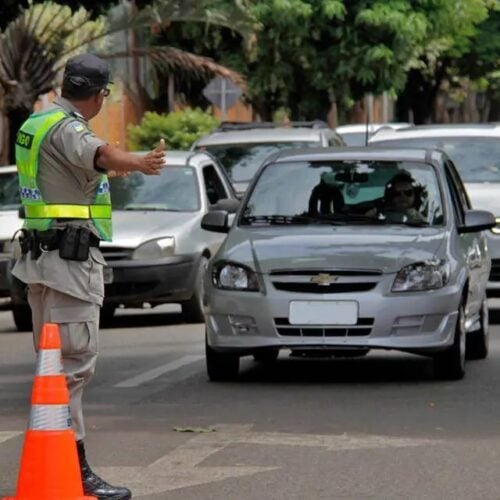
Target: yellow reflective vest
(40, 214)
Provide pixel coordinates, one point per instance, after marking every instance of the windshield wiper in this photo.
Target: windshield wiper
(289, 219)
(148, 208)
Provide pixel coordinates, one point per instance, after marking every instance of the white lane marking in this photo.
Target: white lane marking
(6, 435)
(182, 467)
(159, 370)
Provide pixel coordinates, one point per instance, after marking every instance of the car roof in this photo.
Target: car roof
(445, 130)
(354, 153)
(181, 158)
(276, 134)
(8, 169)
(372, 127)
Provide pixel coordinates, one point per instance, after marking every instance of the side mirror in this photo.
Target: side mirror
(477, 220)
(21, 212)
(228, 205)
(215, 221)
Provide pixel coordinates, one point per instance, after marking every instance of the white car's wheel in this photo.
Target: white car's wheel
(450, 364)
(192, 309)
(478, 340)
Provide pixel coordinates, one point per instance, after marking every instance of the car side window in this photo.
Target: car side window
(462, 192)
(457, 198)
(213, 185)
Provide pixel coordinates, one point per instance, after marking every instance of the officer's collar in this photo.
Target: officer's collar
(68, 106)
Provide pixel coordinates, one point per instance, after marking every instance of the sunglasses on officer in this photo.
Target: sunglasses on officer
(105, 92)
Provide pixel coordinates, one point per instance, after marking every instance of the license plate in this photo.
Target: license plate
(108, 275)
(323, 312)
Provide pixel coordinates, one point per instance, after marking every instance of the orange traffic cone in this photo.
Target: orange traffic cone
(49, 468)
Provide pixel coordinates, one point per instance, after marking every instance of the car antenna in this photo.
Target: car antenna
(367, 125)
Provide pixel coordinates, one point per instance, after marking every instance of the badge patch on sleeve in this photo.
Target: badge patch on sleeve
(78, 127)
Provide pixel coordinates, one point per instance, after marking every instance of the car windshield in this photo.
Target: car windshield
(175, 189)
(355, 138)
(476, 158)
(9, 191)
(346, 192)
(241, 161)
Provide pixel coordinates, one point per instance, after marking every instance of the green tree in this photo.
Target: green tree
(35, 46)
(312, 53)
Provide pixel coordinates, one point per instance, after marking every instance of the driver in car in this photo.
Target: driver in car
(401, 202)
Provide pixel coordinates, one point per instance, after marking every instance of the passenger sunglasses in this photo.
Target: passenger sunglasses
(404, 192)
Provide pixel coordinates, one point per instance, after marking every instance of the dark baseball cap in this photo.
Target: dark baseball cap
(87, 71)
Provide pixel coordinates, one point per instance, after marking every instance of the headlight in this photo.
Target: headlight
(230, 276)
(155, 249)
(428, 275)
(496, 229)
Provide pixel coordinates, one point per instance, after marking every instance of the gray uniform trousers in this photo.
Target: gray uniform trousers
(78, 325)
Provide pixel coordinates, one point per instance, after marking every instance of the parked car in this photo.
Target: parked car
(475, 150)
(358, 134)
(243, 147)
(320, 260)
(10, 222)
(159, 250)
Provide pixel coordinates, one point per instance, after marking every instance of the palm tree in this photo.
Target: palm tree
(35, 46)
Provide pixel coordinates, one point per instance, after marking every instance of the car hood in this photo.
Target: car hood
(382, 249)
(484, 196)
(131, 228)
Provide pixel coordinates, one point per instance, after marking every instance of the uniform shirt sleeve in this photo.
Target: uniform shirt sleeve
(76, 143)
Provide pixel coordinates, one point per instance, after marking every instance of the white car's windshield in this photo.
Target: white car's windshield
(476, 158)
(241, 161)
(346, 192)
(9, 191)
(175, 189)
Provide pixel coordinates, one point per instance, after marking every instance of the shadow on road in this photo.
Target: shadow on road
(375, 368)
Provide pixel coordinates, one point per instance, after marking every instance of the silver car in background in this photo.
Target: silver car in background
(475, 151)
(159, 250)
(243, 147)
(322, 260)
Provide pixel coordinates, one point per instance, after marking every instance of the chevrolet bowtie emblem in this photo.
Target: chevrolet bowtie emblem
(323, 279)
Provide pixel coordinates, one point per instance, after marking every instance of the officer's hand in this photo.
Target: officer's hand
(154, 161)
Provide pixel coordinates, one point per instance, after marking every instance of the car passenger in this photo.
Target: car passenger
(326, 198)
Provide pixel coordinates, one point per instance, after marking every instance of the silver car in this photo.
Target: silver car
(475, 150)
(159, 250)
(343, 251)
(243, 147)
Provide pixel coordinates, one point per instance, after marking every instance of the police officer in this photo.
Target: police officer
(65, 193)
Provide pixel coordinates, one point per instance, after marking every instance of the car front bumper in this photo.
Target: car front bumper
(135, 282)
(419, 322)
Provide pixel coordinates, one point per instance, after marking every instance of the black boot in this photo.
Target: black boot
(93, 485)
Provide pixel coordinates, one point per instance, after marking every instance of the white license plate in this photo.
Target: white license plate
(323, 312)
(108, 275)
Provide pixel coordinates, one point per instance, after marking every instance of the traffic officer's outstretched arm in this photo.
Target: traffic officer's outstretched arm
(114, 159)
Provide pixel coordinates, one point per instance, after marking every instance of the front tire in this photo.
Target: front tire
(450, 364)
(192, 310)
(221, 367)
(478, 340)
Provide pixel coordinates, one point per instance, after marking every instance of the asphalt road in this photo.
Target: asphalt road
(379, 427)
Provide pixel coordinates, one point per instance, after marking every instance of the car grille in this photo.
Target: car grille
(361, 329)
(116, 253)
(495, 270)
(325, 281)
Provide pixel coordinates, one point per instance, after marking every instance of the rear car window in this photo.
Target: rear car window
(9, 191)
